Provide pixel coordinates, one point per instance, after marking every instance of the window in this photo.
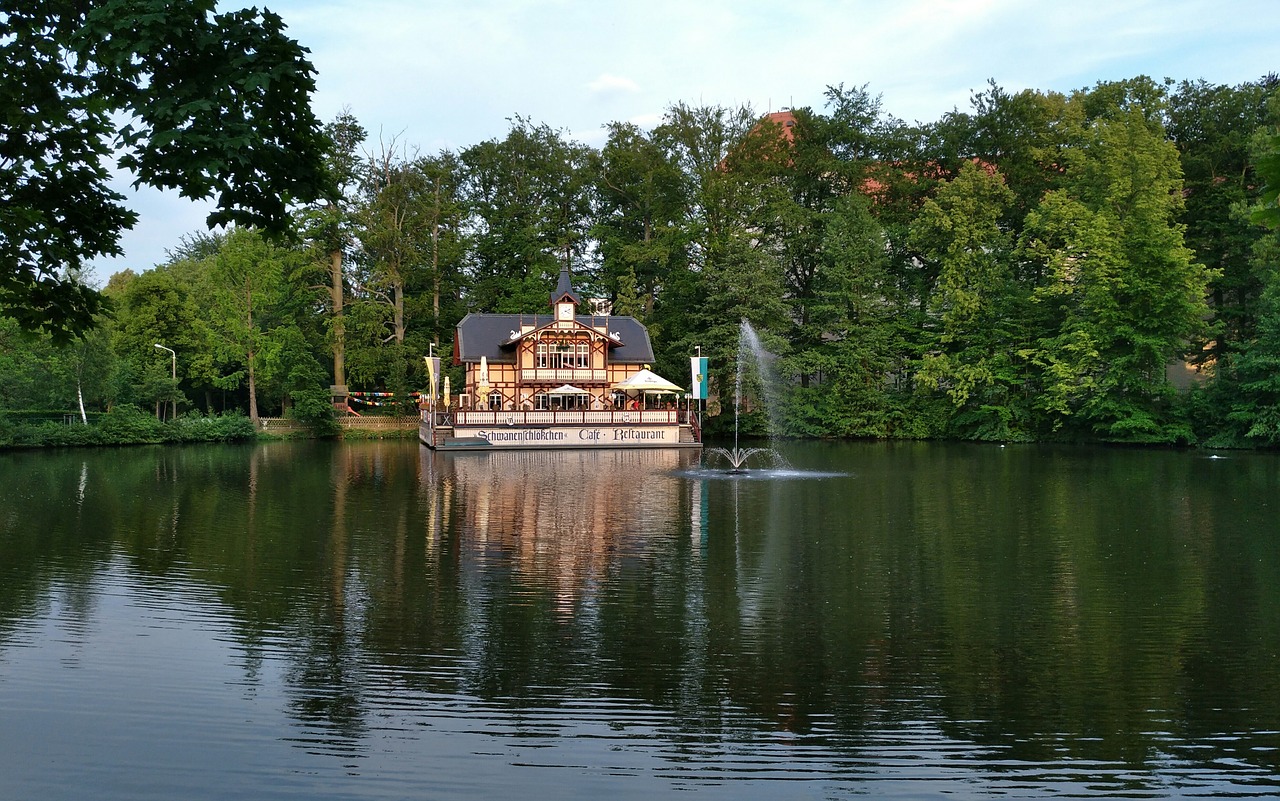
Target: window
(563, 355)
(495, 401)
(540, 401)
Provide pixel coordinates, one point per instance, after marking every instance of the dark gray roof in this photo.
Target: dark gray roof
(564, 287)
(485, 334)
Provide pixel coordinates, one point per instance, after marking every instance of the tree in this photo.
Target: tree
(328, 224)
(253, 306)
(641, 199)
(725, 278)
(1130, 296)
(973, 304)
(1212, 127)
(393, 233)
(861, 346)
(529, 203)
(156, 307)
(1267, 166)
(443, 217)
(214, 105)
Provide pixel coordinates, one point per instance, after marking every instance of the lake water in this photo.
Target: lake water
(376, 621)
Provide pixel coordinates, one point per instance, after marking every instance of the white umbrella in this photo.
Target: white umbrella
(568, 389)
(647, 381)
(446, 392)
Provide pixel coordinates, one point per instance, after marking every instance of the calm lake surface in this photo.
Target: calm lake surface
(376, 621)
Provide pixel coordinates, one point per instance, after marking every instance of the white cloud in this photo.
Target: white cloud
(613, 84)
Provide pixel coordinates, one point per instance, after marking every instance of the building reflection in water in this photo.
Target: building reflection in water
(559, 517)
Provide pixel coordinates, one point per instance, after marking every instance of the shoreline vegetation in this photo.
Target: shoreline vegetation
(129, 425)
(1099, 266)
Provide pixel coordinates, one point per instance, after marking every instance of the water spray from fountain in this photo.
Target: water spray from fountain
(752, 353)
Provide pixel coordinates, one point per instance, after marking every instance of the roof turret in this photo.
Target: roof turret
(564, 287)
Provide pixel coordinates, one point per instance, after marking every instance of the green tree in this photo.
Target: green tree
(726, 278)
(155, 307)
(861, 346)
(1248, 381)
(217, 105)
(394, 235)
(1130, 297)
(1244, 398)
(328, 225)
(641, 203)
(444, 215)
(529, 210)
(974, 303)
(1212, 127)
(256, 302)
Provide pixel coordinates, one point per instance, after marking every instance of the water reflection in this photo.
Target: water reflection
(946, 619)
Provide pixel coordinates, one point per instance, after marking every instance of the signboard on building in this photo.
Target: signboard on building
(573, 436)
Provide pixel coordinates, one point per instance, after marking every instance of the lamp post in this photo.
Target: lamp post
(173, 355)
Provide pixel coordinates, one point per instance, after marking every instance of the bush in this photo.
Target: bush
(194, 427)
(128, 425)
(314, 409)
(123, 425)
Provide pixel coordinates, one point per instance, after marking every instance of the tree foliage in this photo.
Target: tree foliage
(1037, 266)
(214, 105)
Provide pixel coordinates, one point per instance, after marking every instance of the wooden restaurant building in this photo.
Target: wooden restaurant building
(559, 380)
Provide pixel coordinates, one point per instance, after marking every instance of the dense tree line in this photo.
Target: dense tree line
(1091, 266)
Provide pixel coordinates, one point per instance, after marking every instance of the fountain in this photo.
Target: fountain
(752, 351)
(759, 462)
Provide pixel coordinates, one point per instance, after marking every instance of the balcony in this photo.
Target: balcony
(563, 376)
(563, 418)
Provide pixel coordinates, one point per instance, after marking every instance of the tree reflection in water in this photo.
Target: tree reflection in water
(1009, 613)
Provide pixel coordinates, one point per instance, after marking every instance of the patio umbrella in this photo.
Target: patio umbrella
(446, 392)
(647, 381)
(568, 389)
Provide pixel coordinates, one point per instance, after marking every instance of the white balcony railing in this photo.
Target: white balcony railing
(563, 376)
(568, 418)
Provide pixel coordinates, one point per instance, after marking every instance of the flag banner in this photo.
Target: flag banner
(433, 371)
(698, 370)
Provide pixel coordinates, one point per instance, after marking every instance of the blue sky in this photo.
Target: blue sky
(441, 75)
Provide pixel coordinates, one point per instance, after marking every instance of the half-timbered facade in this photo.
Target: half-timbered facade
(563, 360)
(553, 380)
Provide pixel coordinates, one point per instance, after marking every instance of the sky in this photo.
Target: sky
(447, 75)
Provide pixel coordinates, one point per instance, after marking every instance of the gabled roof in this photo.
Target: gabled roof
(494, 336)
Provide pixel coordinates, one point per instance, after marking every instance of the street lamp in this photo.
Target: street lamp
(174, 374)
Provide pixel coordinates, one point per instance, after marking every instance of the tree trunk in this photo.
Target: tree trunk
(398, 312)
(253, 394)
(339, 331)
(253, 387)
